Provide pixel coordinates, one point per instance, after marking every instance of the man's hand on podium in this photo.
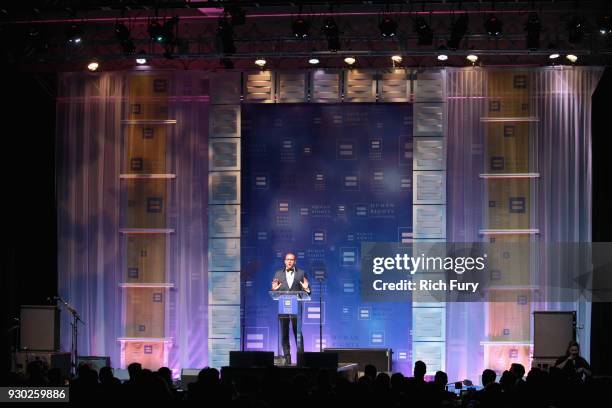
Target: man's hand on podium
(304, 284)
(276, 284)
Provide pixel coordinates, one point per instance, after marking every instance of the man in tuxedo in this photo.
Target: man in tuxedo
(290, 278)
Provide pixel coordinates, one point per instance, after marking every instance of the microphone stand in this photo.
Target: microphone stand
(320, 280)
(75, 331)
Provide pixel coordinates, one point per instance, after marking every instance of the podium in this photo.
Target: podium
(289, 307)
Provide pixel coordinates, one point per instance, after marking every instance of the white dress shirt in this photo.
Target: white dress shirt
(289, 274)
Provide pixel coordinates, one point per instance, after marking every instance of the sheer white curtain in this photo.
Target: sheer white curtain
(562, 99)
(88, 149)
(91, 259)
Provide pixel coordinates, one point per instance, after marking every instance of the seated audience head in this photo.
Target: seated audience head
(420, 368)
(573, 349)
(370, 371)
(518, 370)
(488, 377)
(440, 380)
(134, 370)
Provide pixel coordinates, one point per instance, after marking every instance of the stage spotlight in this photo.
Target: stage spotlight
(225, 33)
(313, 61)
(533, 28)
(300, 28)
(553, 56)
(493, 26)
(349, 61)
(604, 25)
(260, 62)
(141, 59)
(397, 59)
(575, 29)
(472, 58)
(442, 53)
(458, 29)
(122, 33)
(74, 34)
(424, 31)
(571, 58)
(93, 65)
(387, 27)
(332, 34)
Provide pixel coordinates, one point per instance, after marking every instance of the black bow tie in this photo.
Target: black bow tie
(289, 270)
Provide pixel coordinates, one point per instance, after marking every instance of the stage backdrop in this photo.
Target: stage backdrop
(318, 180)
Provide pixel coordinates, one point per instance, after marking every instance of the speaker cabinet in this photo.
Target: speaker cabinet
(248, 359)
(40, 328)
(379, 358)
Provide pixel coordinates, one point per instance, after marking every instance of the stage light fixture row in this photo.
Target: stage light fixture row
(300, 27)
(387, 27)
(74, 34)
(493, 26)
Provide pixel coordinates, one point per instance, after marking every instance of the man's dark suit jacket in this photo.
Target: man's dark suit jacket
(298, 276)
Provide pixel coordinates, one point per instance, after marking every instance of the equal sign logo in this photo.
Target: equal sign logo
(307, 150)
(318, 237)
(317, 341)
(364, 313)
(361, 210)
(261, 182)
(405, 182)
(287, 144)
(341, 210)
(349, 255)
(313, 312)
(378, 179)
(148, 349)
(351, 182)
(375, 145)
(304, 211)
(517, 205)
(348, 287)
(255, 341)
(319, 273)
(405, 235)
(283, 206)
(262, 235)
(407, 150)
(377, 338)
(319, 182)
(402, 355)
(346, 149)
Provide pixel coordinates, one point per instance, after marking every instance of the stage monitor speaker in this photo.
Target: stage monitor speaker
(248, 359)
(379, 358)
(552, 332)
(94, 362)
(188, 376)
(317, 360)
(39, 328)
(50, 359)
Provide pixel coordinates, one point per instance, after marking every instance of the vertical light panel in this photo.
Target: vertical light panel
(224, 207)
(429, 210)
(146, 181)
